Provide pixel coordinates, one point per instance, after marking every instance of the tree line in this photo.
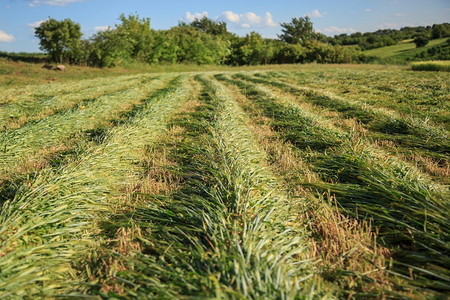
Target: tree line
(387, 37)
(202, 41)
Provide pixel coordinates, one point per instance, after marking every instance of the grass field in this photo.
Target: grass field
(443, 65)
(274, 183)
(403, 50)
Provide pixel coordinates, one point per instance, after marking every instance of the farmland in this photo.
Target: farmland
(300, 182)
(402, 50)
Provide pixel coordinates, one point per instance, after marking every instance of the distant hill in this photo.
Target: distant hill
(389, 37)
(406, 50)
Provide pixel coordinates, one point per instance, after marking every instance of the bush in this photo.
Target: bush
(421, 41)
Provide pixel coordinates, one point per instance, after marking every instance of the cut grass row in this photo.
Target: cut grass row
(431, 66)
(21, 111)
(48, 230)
(409, 134)
(29, 93)
(411, 213)
(24, 148)
(225, 231)
(376, 119)
(197, 190)
(182, 242)
(347, 260)
(400, 91)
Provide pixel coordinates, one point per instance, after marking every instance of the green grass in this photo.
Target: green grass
(394, 91)
(21, 108)
(54, 218)
(443, 66)
(35, 140)
(402, 50)
(287, 182)
(388, 192)
(224, 232)
(406, 132)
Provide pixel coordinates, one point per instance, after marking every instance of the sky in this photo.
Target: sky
(18, 18)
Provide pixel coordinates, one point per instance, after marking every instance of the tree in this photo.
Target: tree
(61, 39)
(131, 39)
(440, 31)
(421, 41)
(298, 31)
(137, 33)
(195, 46)
(290, 54)
(209, 26)
(109, 48)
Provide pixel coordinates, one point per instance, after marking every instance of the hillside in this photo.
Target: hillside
(403, 50)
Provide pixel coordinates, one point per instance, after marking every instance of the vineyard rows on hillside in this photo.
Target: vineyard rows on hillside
(249, 184)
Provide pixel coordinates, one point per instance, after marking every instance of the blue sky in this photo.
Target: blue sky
(18, 17)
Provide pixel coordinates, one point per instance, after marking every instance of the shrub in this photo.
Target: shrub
(421, 41)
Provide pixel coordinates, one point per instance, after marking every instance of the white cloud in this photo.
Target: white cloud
(316, 14)
(248, 19)
(269, 20)
(102, 28)
(388, 25)
(252, 18)
(191, 17)
(230, 16)
(400, 15)
(367, 10)
(5, 37)
(337, 30)
(36, 24)
(245, 20)
(34, 3)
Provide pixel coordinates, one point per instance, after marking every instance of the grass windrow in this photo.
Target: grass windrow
(409, 211)
(404, 136)
(53, 215)
(32, 109)
(297, 182)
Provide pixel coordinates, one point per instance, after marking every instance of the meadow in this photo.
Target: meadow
(404, 51)
(439, 65)
(286, 182)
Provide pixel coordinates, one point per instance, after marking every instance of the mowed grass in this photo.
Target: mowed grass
(403, 49)
(279, 183)
(443, 65)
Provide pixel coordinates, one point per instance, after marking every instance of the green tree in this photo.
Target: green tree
(195, 46)
(298, 31)
(109, 48)
(421, 41)
(137, 33)
(290, 54)
(61, 39)
(209, 26)
(165, 48)
(132, 39)
(440, 31)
